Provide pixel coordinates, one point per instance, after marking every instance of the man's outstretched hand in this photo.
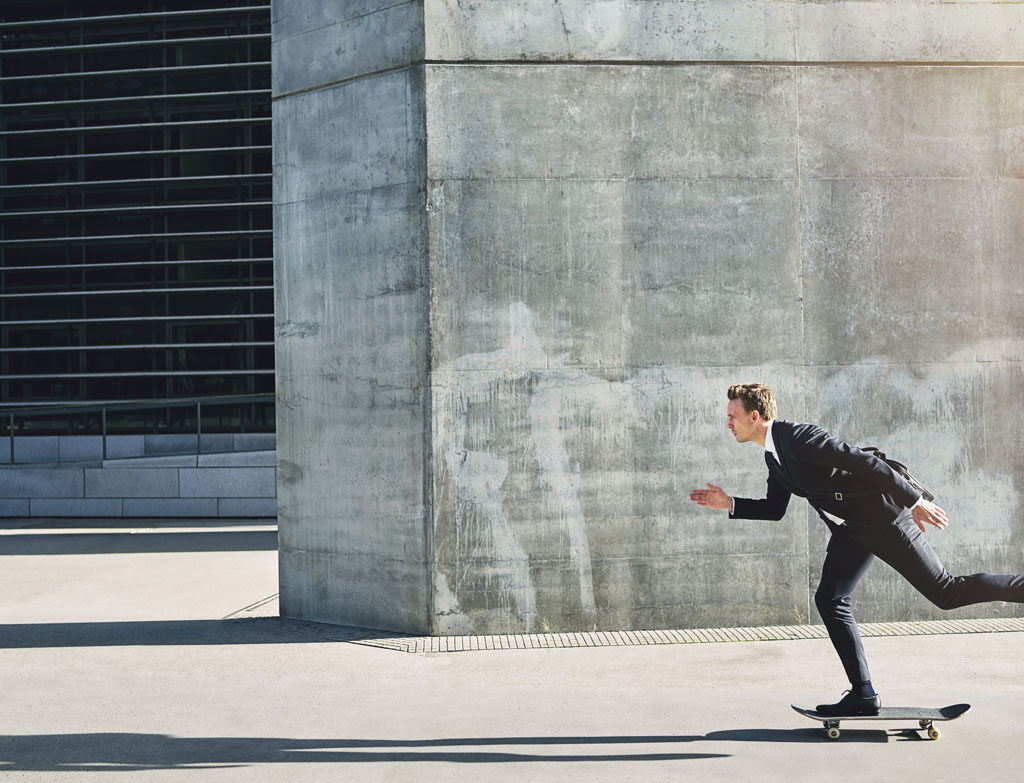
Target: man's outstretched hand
(712, 497)
(928, 513)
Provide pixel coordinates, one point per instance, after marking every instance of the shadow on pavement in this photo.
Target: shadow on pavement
(127, 536)
(135, 752)
(248, 630)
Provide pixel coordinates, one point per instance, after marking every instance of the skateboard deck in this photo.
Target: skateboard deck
(925, 717)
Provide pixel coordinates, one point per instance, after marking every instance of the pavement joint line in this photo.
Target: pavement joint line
(550, 641)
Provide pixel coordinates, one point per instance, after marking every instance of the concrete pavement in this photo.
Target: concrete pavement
(116, 664)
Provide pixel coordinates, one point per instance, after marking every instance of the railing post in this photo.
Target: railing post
(199, 427)
(11, 424)
(103, 418)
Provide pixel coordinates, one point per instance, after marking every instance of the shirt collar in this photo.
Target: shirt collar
(769, 442)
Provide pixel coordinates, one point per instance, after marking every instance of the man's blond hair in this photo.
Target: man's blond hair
(755, 397)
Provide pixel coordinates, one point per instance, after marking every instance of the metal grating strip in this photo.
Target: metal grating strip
(449, 644)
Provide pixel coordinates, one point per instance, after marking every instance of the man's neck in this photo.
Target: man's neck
(761, 433)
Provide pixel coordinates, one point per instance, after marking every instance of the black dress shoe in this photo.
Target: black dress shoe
(852, 704)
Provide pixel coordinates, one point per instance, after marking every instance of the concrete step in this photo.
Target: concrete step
(240, 484)
(225, 459)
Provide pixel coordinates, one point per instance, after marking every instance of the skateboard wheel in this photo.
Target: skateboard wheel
(833, 733)
(934, 733)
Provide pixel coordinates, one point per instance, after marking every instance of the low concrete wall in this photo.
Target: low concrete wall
(87, 448)
(195, 487)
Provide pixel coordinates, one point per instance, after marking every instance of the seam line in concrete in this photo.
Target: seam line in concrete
(250, 607)
(658, 63)
(339, 22)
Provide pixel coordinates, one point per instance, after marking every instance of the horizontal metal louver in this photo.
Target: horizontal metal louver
(135, 190)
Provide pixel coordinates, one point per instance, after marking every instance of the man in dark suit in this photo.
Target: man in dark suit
(871, 511)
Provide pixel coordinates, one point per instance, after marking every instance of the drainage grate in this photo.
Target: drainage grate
(450, 644)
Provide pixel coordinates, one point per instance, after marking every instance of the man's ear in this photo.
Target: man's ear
(757, 415)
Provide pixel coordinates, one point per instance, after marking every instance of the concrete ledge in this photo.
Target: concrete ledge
(227, 482)
(74, 448)
(121, 446)
(254, 441)
(176, 461)
(79, 507)
(20, 482)
(254, 459)
(14, 508)
(216, 442)
(170, 507)
(247, 507)
(131, 483)
(171, 444)
(31, 448)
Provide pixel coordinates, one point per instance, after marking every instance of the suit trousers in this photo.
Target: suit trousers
(902, 545)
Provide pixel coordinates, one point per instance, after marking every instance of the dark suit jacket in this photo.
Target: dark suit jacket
(817, 466)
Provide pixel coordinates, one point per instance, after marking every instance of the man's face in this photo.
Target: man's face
(741, 424)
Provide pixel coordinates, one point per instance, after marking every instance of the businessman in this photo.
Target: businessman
(871, 511)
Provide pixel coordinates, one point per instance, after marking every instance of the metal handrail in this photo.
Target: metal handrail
(91, 407)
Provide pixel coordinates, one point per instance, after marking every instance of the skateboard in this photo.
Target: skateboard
(925, 717)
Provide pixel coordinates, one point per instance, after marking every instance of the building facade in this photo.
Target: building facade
(135, 189)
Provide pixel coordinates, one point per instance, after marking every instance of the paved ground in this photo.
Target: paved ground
(116, 664)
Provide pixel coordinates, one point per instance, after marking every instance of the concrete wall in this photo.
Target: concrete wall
(351, 312)
(623, 207)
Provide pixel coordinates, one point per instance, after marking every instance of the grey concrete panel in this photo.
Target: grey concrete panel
(131, 482)
(79, 507)
(254, 441)
(208, 482)
(940, 122)
(170, 507)
(171, 444)
(352, 347)
(351, 466)
(174, 461)
(73, 448)
(581, 30)
(247, 507)
(352, 137)
(614, 276)
(266, 459)
(350, 283)
(216, 442)
(17, 482)
(124, 446)
(926, 261)
(737, 30)
(367, 591)
(14, 508)
(316, 43)
(857, 31)
(39, 448)
(611, 122)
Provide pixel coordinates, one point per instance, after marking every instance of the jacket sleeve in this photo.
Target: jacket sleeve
(771, 507)
(815, 445)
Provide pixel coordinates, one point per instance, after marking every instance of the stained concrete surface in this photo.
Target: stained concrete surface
(518, 268)
(117, 666)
